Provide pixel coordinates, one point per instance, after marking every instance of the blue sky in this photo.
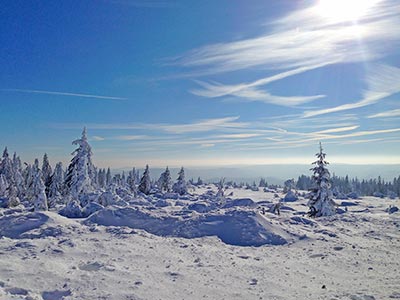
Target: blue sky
(202, 83)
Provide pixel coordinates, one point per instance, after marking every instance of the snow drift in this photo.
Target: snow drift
(241, 228)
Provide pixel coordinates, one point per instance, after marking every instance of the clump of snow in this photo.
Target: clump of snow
(353, 195)
(15, 225)
(378, 194)
(90, 208)
(348, 203)
(201, 207)
(72, 209)
(290, 197)
(392, 209)
(239, 202)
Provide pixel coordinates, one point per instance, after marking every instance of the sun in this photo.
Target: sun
(344, 10)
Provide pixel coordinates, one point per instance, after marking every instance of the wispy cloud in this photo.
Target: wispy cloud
(316, 136)
(63, 94)
(207, 145)
(130, 137)
(339, 129)
(98, 138)
(204, 125)
(301, 39)
(238, 135)
(296, 43)
(383, 81)
(250, 92)
(386, 114)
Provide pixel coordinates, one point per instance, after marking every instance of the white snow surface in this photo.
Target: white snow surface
(193, 248)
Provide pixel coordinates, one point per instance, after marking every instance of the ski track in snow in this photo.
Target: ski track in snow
(352, 256)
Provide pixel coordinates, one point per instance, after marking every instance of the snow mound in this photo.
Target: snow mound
(392, 209)
(200, 207)
(290, 197)
(14, 226)
(72, 210)
(353, 195)
(33, 225)
(239, 202)
(91, 208)
(241, 228)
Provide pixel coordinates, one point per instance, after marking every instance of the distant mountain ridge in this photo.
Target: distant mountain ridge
(274, 173)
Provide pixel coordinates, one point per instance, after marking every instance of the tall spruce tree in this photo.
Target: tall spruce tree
(145, 182)
(321, 203)
(81, 172)
(6, 166)
(46, 170)
(165, 181)
(180, 185)
(56, 186)
(39, 194)
(18, 179)
(131, 181)
(108, 177)
(3, 185)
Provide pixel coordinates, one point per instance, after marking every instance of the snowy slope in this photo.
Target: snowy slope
(353, 255)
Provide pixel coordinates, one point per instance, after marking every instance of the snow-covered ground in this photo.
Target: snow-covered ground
(189, 248)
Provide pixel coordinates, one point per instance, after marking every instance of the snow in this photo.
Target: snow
(290, 197)
(242, 228)
(195, 249)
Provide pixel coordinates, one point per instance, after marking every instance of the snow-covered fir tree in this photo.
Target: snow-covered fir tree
(108, 177)
(27, 175)
(18, 179)
(35, 166)
(131, 181)
(13, 199)
(6, 166)
(221, 193)
(180, 185)
(263, 183)
(137, 176)
(56, 182)
(3, 185)
(165, 181)
(288, 185)
(39, 193)
(30, 177)
(101, 178)
(145, 182)
(46, 170)
(16, 162)
(81, 172)
(123, 178)
(321, 203)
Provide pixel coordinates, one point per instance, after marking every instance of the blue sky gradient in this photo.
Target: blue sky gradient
(199, 83)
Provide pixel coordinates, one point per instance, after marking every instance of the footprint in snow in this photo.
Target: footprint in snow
(16, 291)
(94, 266)
(174, 275)
(253, 281)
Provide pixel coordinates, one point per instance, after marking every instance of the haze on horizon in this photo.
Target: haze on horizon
(202, 83)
